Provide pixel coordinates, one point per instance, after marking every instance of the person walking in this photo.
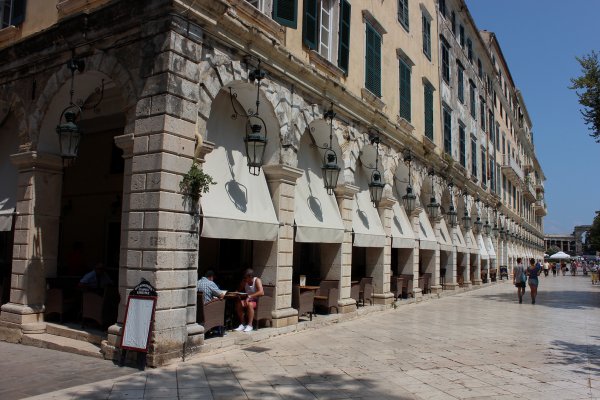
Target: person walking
(533, 271)
(520, 279)
(546, 268)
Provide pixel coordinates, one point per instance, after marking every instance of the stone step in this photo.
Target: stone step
(68, 345)
(89, 335)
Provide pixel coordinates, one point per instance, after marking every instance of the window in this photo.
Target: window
(483, 169)
(453, 21)
(344, 36)
(491, 125)
(403, 13)
(12, 12)
(319, 26)
(480, 70)
(447, 130)
(426, 36)
(503, 144)
(442, 5)
(472, 99)
(404, 90)
(462, 145)
(428, 96)
(497, 136)
(445, 60)
(470, 50)
(461, 35)
(493, 174)
(373, 60)
(460, 78)
(474, 156)
(482, 113)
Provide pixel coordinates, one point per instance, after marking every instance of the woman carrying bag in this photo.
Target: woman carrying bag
(533, 271)
(520, 279)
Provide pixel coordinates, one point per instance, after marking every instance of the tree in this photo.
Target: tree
(594, 234)
(552, 250)
(587, 87)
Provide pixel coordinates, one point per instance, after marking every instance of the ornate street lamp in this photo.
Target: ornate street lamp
(478, 224)
(487, 228)
(409, 199)
(433, 208)
(466, 219)
(69, 133)
(376, 185)
(451, 214)
(330, 168)
(495, 228)
(255, 141)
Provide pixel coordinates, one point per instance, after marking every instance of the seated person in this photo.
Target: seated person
(209, 288)
(96, 280)
(253, 289)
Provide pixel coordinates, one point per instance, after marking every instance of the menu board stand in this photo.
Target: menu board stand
(137, 327)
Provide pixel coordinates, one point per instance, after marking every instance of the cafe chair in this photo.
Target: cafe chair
(396, 286)
(211, 314)
(303, 301)
(366, 290)
(407, 285)
(327, 295)
(264, 306)
(355, 292)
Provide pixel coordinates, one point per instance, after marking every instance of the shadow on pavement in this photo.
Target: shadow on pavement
(565, 299)
(584, 358)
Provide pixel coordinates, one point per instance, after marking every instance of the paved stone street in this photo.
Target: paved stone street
(479, 344)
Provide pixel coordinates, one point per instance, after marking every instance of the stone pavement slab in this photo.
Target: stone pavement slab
(474, 345)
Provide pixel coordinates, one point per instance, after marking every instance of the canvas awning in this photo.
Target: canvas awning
(444, 238)
(6, 219)
(459, 241)
(427, 238)
(366, 224)
(402, 232)
(239, 205)
(471, 242)
(490, 247)
(316, 213)
(482, 250)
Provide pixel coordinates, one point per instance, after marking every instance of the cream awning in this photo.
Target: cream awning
(6, 219)
(316, 213)
(366, 224)
(471, 242)
(239, 205)
(482, 250)
(427, 238)
(459, 241)
(490, 247)
(402, 231)
(444, 238)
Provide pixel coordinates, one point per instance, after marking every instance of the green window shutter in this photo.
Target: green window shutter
(373, 61)
(344, 36)
(285, 12)
(426, 36)
(461, 87)
(428, 96)
(310, 28)
(18, 12)
(447, 131)
(405, 90)
(403, 13)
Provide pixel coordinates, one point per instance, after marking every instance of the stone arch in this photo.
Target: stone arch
(11, 105)
(100, 62)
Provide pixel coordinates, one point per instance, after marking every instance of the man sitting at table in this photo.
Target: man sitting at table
(96, 280)
(209, 288)
(252, 288)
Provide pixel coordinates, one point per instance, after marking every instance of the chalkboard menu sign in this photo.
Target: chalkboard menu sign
(139, 315)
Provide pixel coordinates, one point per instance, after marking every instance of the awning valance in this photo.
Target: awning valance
(316, 213)
(427, 238)
(482, 250)
(6, 219)
(471, 242)
(402, 231)
(490, 247)
(444, 238)
(459, 241)
(366, 224)
(239, 205)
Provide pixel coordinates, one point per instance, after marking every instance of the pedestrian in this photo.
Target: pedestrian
(553, 269)
(533, 271)
(520, 279)
(563, 268)
(546, 268)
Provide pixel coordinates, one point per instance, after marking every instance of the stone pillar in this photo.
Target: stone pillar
(278, 257)
(35, 248)
(467, 271)
(452, 283)
(341, 267)
(414, 218)
(159, 240)
(379, 260)
(435, 285)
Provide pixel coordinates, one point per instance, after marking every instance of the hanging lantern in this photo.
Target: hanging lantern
(409, 200)
(433, 208)
(466, 219)
(487, 228)
(477, 225)
(69, 135)
(495, 231)
(330, 168)
(452, 216)
(376, 187)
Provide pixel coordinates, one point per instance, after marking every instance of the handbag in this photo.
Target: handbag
(523, 278)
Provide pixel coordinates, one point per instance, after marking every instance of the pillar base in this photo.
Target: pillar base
(466, 285)
(436, 289)
(346, 306)
(29, 320)
(450, 286)
(284, 317)
(383, 298)
(418, 294)
(477, 282)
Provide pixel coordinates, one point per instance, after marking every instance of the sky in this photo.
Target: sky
(540, 40)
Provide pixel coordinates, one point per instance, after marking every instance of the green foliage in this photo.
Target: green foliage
(588, 91)
(195, 182)
(552, 250)
(593, 239)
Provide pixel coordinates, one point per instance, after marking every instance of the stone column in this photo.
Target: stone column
(35, 248)
(341, 266)
(435, 285)
(160, 224)
(467, 271)
(379, 260)
(414, 218)
(452, 283)
(278, 257)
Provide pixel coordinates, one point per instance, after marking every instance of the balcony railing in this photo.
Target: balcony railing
(512, 170)
(529, 190)
(540, 208)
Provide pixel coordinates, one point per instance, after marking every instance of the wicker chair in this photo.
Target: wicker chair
(327, 296)
(264, 306)
(366, 290)
(397, 286)
(303, 301)
(211, 314)
(407, 285)
(355, 292)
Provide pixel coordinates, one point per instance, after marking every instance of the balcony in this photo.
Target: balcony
(539, 186)
(512, 170)
(540, 208)
(529, 190)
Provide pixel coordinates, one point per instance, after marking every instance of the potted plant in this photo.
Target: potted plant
(195, 182)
